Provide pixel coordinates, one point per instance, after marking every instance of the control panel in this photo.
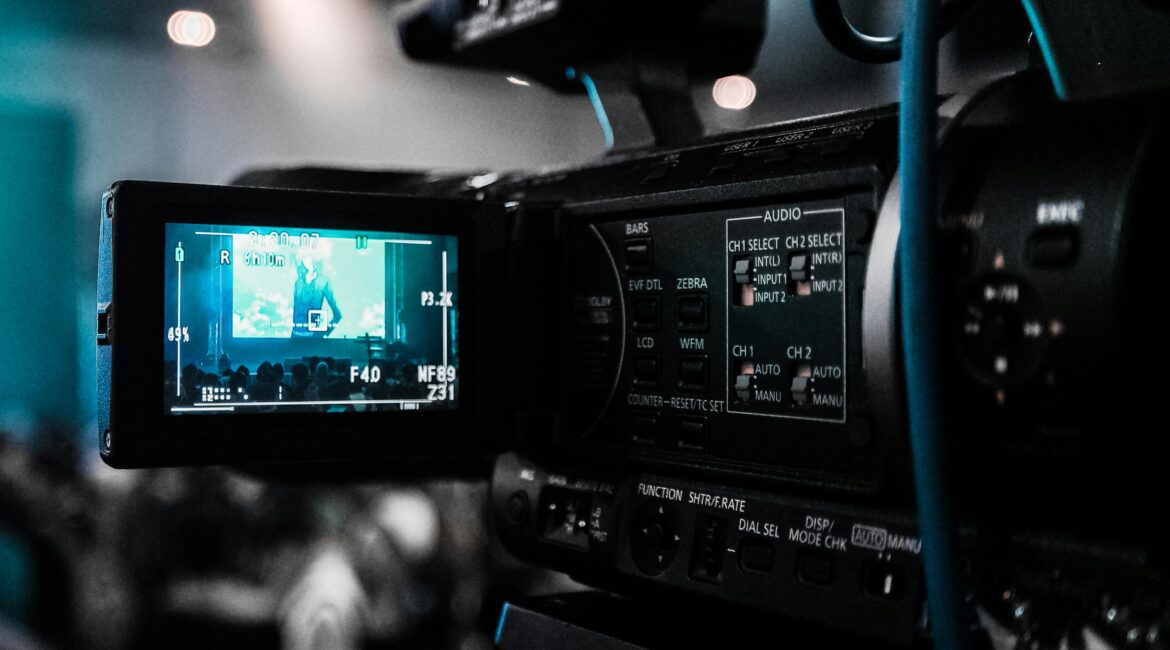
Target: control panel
(847, 568)
(1035, 280)
(853, 569)
(727, 335)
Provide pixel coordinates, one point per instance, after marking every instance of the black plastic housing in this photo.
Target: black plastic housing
(134, 431)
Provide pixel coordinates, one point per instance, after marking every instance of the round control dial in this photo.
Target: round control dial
(654, 537)
(1002, 332)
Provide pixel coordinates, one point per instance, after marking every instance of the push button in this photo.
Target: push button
(644, 428)
(639, 255)
(725, 163)
(646, 370)
(692, 373)
(692, 313)
(836, 146)
(756, 556)
(692, 433)
(656, 172)
(646, 313)
(105, 323)
(815, 568)
(518, 506)
(778, 155)
(1050, 248)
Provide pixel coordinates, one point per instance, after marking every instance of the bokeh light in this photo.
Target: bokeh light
(735, 93)
(191, 28)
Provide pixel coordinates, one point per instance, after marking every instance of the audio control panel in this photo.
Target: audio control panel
(786, 320)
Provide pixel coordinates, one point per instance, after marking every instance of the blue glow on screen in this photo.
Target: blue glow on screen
(264, 318)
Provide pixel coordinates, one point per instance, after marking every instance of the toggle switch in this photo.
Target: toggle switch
(743, 273)
(802, 384)
(799, 274)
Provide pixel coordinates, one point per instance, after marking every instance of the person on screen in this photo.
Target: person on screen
(310, 293)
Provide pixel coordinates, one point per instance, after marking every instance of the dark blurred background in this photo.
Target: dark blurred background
(94, 92)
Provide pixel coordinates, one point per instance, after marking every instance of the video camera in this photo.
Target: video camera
(683, 363)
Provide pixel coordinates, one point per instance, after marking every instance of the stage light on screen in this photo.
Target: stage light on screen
(735, 93)
(263, 319)
(191, 28)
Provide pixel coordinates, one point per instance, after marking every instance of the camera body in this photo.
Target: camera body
(794, 507)
(685, 364)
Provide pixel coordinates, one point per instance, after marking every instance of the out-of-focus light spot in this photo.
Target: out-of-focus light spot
(518, 81)
(191, 28)
(409, 517)
(332, 50)
(482, 180)
(735, 93)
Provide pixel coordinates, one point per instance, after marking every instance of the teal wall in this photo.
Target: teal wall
(38, 264)
(14, 578)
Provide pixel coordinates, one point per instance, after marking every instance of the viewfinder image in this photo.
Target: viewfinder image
(264, 319)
